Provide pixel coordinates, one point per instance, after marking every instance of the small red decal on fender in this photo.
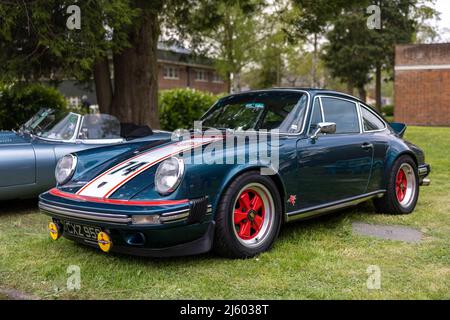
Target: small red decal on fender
(292, 199)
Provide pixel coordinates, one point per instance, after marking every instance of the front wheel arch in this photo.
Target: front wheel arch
(226, 241)
(275, 178)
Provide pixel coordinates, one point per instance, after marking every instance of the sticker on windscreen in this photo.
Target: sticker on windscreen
(254, 105)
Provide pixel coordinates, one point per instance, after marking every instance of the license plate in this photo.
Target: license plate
(82, 231)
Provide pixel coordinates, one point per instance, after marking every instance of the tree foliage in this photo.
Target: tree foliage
(354, 51)
(20, 102)
(227, 30)
(35, 41)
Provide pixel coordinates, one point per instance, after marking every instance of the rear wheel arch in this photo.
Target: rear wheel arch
(408, 153)
(393, 201)
(391, 164)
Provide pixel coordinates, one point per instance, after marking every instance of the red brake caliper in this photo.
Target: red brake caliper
(400, 185)
(248, 214)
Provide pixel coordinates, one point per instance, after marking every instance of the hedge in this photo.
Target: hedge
(388, 110)
(179, 108)
(19, 102)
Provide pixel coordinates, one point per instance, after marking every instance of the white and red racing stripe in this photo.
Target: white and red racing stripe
(111, 180)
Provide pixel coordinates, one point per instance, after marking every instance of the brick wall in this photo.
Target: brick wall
(422, 84)
(186, 79)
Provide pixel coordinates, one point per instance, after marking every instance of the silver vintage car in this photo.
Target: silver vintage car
(29, 155)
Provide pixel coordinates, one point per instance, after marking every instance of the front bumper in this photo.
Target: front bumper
(424, 170)
(185, 229)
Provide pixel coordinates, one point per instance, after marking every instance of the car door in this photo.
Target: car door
(333, 167)
(17, 165)
(374, 128)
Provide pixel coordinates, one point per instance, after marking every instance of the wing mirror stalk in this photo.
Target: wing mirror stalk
(324, 127)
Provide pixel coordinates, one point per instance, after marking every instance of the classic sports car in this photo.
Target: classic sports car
(28, 156)
(334, 152)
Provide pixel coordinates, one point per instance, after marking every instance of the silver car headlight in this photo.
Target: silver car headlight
(65, 168)
(169, 175)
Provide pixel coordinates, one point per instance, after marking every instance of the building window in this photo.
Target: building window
(201, 75)
(74, 102)
(171, 72)
(217, 78)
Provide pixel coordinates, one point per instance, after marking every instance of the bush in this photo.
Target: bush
(179, 108)
(19, 102)
(388, 110)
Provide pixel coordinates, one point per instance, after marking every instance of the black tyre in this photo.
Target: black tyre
(402, 188)
(248, 218)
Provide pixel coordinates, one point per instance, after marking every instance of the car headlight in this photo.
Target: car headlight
(168, 175)
(65, 168)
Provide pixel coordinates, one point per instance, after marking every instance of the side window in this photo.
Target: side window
(370, 121)
(316, 117)
(341, 112)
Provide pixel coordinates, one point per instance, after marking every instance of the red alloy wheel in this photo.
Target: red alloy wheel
(401, 183)
(248, 214)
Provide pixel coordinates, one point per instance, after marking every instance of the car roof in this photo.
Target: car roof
(311, 90)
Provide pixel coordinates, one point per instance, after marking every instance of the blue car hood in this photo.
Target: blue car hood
(9, 137)
(130, 186)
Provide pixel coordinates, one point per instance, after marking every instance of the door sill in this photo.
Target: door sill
(332, 206)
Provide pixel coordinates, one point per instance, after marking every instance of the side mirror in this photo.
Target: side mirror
(324, 127)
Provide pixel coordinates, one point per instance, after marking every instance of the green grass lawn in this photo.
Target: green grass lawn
(318, 259)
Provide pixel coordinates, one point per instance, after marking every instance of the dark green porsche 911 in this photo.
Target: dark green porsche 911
(274, 156)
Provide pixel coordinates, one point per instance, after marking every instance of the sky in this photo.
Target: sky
(443, 6)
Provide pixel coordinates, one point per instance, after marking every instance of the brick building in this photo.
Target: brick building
(422, 84)
(177, 68)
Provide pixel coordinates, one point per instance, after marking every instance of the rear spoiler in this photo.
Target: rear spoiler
(399, 128)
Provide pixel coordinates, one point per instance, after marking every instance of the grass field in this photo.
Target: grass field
(318, 259)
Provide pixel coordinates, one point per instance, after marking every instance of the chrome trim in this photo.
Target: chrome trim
(425, 182)
(181, 215)
(85, 215)
(423, 170)
(355, 102)
(100, 141)
(332, 206)
(324, 127)
(168, 217)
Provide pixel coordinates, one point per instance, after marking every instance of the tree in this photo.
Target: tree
(354, 51)
(35, 42)
(312, 21)
(226, 30)
(349, 51)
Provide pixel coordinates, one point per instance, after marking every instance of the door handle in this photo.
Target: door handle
(367, 146)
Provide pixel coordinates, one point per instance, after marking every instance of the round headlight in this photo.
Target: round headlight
(168, 175)
(65, 168)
